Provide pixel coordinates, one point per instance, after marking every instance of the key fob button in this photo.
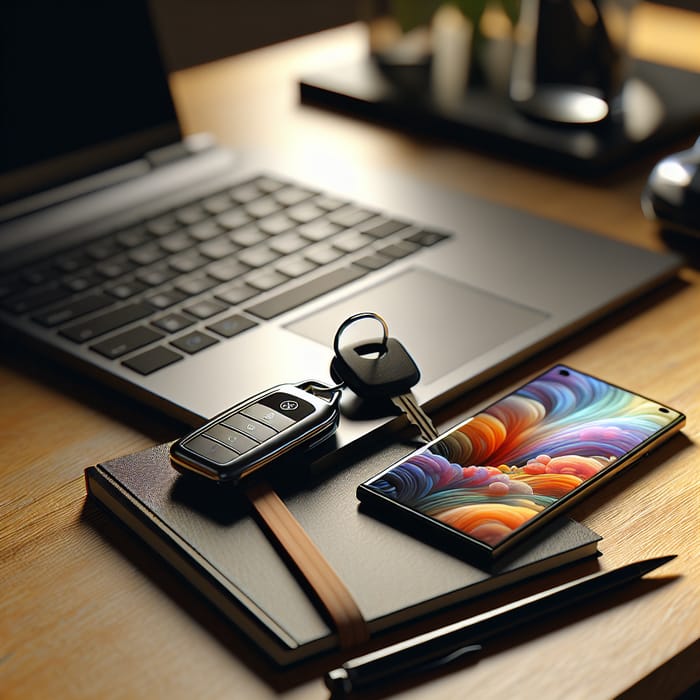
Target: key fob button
(250, 427)
(211, 450)
(236, 441)
(268, 416)
(290, 406)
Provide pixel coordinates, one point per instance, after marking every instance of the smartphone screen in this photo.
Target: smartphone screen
(518, 462)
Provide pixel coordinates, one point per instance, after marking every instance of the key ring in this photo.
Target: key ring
(356, 317)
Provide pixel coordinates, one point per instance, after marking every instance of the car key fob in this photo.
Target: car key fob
(284, 420)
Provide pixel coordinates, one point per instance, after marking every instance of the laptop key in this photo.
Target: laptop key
(175, 242)
(101, 250)
(205, 308)
(305, 212)
(268, 184)
(216, 204)
(126, 289)
(290, 242)
(349, 215)
(41, 274)
(263, 207)
(166, 298)
(295, 266)
(399, 250)
(152, 360)
(73, 309)
(132, 237)
(328, 202)
(267, 279)
(204, 230)
(35, 298)
(275, 224)
(236, 293)
(114, 268)
(381, 227)
(374, 261)
(162, 225)
(323, 254)
(106, 322)
(82, 282)
(190, 214)
(72, 262)
(319, 229)
(427, 238)
(232, 325)
(187, 262)
(227, 269)
(128, 341)
(172, 323)
(195, 285)
(351, 240)
(194, 342)
(155, 276)
(245, 193)
(147, 254)
(258, 256)
(218, 248)
(248, 236)
(291, 298)
(233, 218)
(291, 194)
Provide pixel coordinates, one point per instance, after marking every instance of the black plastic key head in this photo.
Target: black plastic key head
(380, 368)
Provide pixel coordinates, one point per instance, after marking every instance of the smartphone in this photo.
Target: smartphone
(494, 479)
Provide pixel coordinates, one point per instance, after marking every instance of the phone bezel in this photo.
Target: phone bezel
(371, 497)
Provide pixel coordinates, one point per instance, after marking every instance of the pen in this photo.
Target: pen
(445, 645)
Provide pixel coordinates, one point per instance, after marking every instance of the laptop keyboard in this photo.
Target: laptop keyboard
(171, 286)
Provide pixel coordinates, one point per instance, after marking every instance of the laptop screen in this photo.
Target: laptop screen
(82, 87)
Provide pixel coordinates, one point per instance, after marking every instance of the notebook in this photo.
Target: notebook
(190, 276)
(209, 536)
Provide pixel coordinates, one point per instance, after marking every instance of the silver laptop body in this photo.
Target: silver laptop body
(280, 253)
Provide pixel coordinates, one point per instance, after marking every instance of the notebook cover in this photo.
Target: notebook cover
(209, 535)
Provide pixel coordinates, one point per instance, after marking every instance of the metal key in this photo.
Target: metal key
(381, 368)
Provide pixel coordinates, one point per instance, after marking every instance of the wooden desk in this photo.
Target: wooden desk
(86, 610)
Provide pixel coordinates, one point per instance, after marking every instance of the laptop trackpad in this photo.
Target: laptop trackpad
(443, 323)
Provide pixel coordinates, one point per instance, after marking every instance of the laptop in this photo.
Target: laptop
(191, 277)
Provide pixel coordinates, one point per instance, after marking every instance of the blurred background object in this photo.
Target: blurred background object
(547, 81)
(672, 198)
(570, 60)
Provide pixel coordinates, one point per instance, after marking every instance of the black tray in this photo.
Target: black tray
(660, 105)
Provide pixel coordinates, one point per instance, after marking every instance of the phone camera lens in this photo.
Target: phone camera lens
(663, 410)
(564, 372)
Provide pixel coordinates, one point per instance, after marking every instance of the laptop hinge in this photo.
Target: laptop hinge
(196, 143)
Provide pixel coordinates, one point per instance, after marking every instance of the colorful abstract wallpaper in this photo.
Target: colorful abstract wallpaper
(500, 468)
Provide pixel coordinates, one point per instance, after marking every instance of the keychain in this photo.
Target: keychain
(381, 368)
(290, 419)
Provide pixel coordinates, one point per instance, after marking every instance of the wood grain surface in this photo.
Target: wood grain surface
(86, 611)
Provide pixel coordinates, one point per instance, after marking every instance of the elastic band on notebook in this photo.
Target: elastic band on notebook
(324, 581)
